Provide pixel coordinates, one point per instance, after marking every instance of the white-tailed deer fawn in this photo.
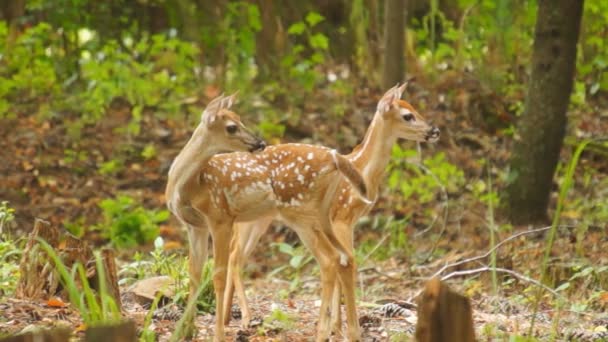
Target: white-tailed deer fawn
(210, 192)
(394, 119)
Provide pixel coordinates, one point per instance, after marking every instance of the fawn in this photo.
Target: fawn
(210, 192)
(394, 119)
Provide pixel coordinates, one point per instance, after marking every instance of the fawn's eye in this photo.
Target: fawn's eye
(408, 117)
(231, 129)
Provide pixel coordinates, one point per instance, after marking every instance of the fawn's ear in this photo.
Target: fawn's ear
(384, 105)
(400, 90)
(228, 101)
(213, 108)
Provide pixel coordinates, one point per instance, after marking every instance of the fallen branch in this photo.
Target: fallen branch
(489, 252)
(501, 270)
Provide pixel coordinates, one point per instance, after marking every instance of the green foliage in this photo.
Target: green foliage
(76, 227)
(205, 296)
(154, 72)
(278, 321)
(394, 243)
(160, 262)
(7, 215)
(82, 296)
(27, 71)
(414, 183)
(149, 152)
(299, 67)
(127, 224)
(10, 254)
(592, 58)
(299, 257)
(111, 167)
(565, 187)
(240, 25)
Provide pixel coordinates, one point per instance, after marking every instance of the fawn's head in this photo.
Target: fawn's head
(406, 121)
(223, 128)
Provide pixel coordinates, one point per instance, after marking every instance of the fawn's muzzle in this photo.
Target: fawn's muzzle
(432, 135)
(259, 145)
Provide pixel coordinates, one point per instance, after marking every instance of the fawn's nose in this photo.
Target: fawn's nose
(260, 145)
(432, 134)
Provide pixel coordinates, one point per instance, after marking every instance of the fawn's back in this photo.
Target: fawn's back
(281, 178)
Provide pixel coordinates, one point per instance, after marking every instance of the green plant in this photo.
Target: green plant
(10, 253)
(414, 183)
(299, 66)
(299, 257)
(240, 25)
(394, 242)
(76, 227)
(568, 180)
(94, 309)
(28, 68)
(278, 320)
(7, 215)
(127, 224)
(149, 152)
(147, 334)
(154, 72)
(111, 167)
(161, 262)
(592, 58)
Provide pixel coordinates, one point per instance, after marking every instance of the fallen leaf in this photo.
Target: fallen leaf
(56, 302)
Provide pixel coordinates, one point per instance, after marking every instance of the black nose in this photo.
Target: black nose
(432, 134)
(260, 145)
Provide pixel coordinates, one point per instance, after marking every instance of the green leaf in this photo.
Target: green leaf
(296, 29)
(313, 18)
(562, 287)
(285, 248)
(296, 261)
(319, 41)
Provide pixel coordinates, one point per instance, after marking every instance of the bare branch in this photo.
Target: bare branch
(501, 270)
(486, 254)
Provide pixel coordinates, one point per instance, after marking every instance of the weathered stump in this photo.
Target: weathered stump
(443, 315)
(41, 335)
(123, 332)
(39, 278)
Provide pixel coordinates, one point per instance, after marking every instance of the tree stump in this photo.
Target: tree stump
(41, 335)
(39, 280)
(123, 332)
(443, 315)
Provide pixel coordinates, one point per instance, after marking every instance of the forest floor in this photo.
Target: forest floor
(47, 175)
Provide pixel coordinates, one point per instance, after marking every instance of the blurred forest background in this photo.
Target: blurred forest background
(97, 97)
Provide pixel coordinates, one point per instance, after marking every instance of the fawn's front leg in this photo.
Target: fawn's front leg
(221, 234)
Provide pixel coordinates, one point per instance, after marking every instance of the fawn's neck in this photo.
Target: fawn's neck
(185, 171)
(372, 156)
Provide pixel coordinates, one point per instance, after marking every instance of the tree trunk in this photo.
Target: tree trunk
(11, 11)
(268, 40)
(542, 127)
(394, 42)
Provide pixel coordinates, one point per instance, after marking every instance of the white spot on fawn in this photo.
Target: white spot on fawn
(310, 156)
(343, 259)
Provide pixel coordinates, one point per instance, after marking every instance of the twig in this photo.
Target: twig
(501, 270)
(486, 254)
